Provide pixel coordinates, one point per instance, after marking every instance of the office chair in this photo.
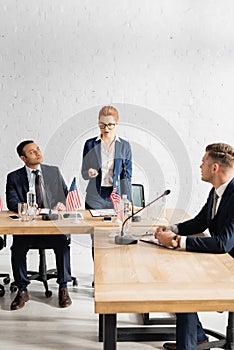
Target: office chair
(42, 275)
(5, 276)
(138, 195)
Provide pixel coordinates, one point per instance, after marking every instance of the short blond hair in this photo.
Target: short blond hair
(221, 153)
(109, 110)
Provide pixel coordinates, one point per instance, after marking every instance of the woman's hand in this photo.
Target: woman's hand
(92, 172)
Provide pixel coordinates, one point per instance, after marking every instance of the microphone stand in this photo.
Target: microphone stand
(124, 240)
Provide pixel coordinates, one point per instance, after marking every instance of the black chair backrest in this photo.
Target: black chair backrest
(138, 195)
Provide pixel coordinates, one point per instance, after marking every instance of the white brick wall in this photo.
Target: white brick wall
(60, 61)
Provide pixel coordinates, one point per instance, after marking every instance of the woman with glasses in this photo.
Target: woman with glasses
(107, 162)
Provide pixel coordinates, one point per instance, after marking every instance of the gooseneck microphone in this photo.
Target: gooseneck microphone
(124, 240)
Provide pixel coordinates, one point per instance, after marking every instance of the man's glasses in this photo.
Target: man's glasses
(109, 125)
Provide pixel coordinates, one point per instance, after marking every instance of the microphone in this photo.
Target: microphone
(124, 240)
(134, 217)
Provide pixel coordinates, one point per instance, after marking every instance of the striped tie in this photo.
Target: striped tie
(39, 196)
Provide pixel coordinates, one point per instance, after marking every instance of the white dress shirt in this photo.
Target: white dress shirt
(108, 157)
(31, 182)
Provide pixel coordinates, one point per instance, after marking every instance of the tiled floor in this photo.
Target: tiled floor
(42, 325)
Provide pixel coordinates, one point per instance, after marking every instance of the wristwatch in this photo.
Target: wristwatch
(175, 242)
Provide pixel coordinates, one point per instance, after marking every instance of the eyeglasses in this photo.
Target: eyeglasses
(109, 125)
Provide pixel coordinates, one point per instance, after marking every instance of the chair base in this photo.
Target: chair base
(6, 280)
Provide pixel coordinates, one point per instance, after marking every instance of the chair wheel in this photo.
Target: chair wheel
(6, 280)
(13, 288)
(2, 291)
(75, 283)
(48, 293)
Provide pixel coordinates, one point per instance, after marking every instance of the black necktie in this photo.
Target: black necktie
(38, 188)
(215, 200)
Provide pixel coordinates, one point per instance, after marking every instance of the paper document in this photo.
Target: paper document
(72, 215)
(102, 212)
(143, 234)
(47, 211)
(153, 240)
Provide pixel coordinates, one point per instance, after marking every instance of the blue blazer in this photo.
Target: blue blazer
(17, 186)
(221, 227)
(92, 159)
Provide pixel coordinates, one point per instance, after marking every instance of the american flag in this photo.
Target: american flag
(0, 203)
(73, 198)
(116, 201)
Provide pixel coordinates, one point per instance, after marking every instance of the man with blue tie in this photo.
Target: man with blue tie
(52, 194)
(217, 216)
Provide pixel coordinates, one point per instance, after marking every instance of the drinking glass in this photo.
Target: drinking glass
(23, 211)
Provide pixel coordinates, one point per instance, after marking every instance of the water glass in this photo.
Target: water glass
(23, 211)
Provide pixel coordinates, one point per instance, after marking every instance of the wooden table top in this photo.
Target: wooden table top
(85, 225)
(39, 226)
(144, 278)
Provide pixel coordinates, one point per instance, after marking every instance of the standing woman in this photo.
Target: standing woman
(107, 162)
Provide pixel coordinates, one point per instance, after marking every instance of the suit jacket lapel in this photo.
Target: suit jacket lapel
(117, 150)
(46, 184)
(117, 165)
(226, 193)
(23, 178)
(97, 150)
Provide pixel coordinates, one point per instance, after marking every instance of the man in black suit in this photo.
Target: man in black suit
(53, 195)
(217, 215)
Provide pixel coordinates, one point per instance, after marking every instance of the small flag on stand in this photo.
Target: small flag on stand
(116, 201)
(73, 198)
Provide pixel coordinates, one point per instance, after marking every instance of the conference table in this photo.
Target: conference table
(83, 225)
(144, 278)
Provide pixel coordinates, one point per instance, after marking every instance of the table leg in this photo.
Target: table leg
(100, 326)
(109, 332)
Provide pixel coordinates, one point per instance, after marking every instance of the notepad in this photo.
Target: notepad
(72, 216)
(151, 240)
(102, 212)
(154, 241)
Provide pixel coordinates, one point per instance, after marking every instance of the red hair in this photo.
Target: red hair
(109, 110)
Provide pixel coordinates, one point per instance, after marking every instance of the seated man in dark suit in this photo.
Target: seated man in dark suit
(53, 195)
(217, 215)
